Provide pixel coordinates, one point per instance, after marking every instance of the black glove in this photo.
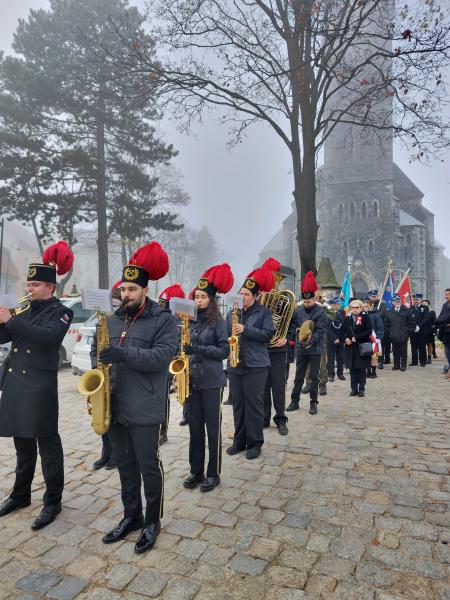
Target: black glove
(191, 349)
(112, 355)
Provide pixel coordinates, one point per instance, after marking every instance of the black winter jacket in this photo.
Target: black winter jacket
(361, 331)
(399, 325)
(321, 323)
(336, 327)
(377, 323)
(139, 385)
(420, 316)
(210, 345)
(443, 322)
(258, 331)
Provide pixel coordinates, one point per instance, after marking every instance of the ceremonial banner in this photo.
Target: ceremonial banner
(387, 293)
(404, 290)
(346, 290)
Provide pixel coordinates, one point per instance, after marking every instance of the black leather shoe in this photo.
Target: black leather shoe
(163, 439)
(147, 539)
(413, 364)
(395, 368)
(306, 390)
(331, 378)
(183, 422)
(313, 408)
(282, 429)
(323, 389)
(227, 402)
(209, 484)
(294, 405)
(126, 526)
(361, 394)
(423, 364)
(9, 505)
(192, 481)
(266, 425)
(234, 449)
(402, 368)
(111, 464)
(46, 516)
(253, 452)
(429, 360)
(100, 463)
(341, 377)
(352, 393)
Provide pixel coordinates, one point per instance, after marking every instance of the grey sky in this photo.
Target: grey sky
(243, 195)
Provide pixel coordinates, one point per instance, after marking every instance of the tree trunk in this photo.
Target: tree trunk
(123, 251)
(305, 201)
(36, 233)
(102, 226)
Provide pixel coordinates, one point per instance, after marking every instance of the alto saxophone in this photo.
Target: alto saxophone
(233, 340)
(95, 383)
(179, 367)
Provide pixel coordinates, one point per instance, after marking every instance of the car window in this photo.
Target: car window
(80, 314)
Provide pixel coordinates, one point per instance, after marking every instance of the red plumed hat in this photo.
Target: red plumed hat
(148, 262)
(259, 280)
(173, 291)
(60, 256)
(309, 286)
(192, 293)
(216, 279)
(273, 264)
(117, 285)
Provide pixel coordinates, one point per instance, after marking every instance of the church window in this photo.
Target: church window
(371, 247)
(375, 210)
(341, 213)
(363, 210)
(352, 211)
(408, 239)
(345, 250)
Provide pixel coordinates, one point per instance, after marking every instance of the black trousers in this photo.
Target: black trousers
(205, 409)
(418, 349)
(303, 361)
(387, 347)
(358, 379)
(247, 386)
(52, 459)
(165, 425)
(136, 450)
(275, 389)
(106, 446)
(335, 357)
(400, 352)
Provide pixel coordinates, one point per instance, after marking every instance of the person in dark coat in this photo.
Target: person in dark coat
(443, 324)
(173, 291)
(358, 329)
(309, 352)
(428, 329)
(335, 341)
(378, 328)
(143, 340)
(29, 399)
(418, 337)
(399, 325)
(208, 349)
(248, 379)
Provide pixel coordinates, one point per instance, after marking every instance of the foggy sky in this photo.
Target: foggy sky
(244, 194)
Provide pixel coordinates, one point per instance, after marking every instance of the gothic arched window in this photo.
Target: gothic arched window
(341, 213)
(363, 210)
(375, 209)
(352, 211)
(345, 250)
(371, 247)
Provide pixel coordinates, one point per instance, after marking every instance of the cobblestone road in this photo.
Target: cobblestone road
(352, 505)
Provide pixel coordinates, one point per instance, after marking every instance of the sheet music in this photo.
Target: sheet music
(179, 306)
(8, 300)
(236, 300)
(96, 299)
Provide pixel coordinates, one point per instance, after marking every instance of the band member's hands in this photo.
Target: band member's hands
(280, 343)
(237, 328)
(348, 342)
(112, 355)
(336, 342)
(5, 315)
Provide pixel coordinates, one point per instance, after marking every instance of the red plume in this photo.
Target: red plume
(264, 278)
(309, 284)
(152, 259)
(221, 277)
(117, 285)
(273, 264)
(192, 293)
(173, 291)
(59, 255)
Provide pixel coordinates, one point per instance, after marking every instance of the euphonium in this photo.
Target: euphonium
(233, 340)
(281, 303)
(95, 383)
(179, 367)
(25, 301)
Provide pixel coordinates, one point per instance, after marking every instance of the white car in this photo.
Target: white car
(80, 315)
(81, 360)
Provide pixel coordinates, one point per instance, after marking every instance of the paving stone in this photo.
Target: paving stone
(318, 543)
(349, 591)
(185, 528)
(191, 548)
(406, 512)
(181, 589)
(320, 584)
(421, 531)
(298, 521)
(60, 555)
(40, 580)
(264, 548)
(86, 564)
(334, 566)
(68, 588)
(149, 583)
(120, 576)
(303, 560)
(102, 594)
(374, 575)
(390, 540)
(247, 564)
(217, 556)
(289, 577)
(297, 537)
(351, 551)
(36, 546)
(413, 587)
(429, 568)
(221, 519)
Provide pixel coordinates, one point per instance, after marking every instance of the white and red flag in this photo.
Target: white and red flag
(404, 290)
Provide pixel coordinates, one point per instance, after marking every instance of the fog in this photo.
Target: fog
(244, 194)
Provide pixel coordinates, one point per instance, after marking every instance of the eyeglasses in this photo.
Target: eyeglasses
(354, 306)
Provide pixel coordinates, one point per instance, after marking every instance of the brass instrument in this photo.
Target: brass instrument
(282, 304)
(179, 367)
(233, 340)
(305, 331)
(95, 383)
(25, 301)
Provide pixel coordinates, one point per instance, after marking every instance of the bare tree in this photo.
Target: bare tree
(302, 67)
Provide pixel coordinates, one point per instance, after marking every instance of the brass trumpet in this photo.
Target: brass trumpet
(25, 301)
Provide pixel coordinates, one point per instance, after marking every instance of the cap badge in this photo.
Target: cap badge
(131, 273)
(203, 284)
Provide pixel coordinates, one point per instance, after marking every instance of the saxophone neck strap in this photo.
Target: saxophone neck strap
(129, 322)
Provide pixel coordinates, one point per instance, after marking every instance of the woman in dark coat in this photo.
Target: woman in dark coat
(428, 327)
(358, 329)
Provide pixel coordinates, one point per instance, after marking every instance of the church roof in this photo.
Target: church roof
(403, 186)
(409, 221)
(325, 275)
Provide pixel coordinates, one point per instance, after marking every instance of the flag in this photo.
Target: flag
(388, 292)
(346, 290)
(404, 290)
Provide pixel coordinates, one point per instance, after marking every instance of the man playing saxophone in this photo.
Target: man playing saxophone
(143, 340)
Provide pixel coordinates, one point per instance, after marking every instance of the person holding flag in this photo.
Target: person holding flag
(346, 290)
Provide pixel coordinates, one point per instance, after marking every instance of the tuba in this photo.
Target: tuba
(179, 367)
(25, 301)
(281, 303)
(233, 340)
(95, 383)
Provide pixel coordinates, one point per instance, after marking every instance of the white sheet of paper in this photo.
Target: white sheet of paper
(236, 300)
(179, 306)
(8, 300)
(94, 299)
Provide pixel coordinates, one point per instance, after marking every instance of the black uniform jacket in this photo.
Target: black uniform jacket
(420, 314)
(258, 331)
(361, 331)
(29, 399)
(139, 385)
(321, 323)
(443, 322)
(336, 327)
(211, 344)
(399, 325)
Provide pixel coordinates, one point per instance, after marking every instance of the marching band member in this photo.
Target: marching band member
(309, 352)
(207, 351)
(29, 400)
(173, 291)
(247, 381)
(143, 340)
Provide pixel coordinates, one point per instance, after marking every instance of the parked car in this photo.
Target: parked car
(80, 315)
(81, 360)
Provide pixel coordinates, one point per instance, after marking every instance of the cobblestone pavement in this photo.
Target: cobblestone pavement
(352, 505)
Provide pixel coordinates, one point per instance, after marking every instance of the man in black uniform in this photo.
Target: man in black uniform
(399, 324)
(418, 336)
(29, 399)
(335, 341)
(143, 340)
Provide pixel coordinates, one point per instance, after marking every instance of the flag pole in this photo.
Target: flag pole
(383, 289)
